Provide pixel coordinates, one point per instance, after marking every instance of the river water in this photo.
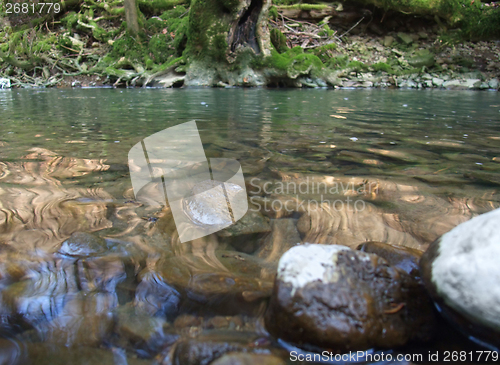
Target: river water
(396, 166)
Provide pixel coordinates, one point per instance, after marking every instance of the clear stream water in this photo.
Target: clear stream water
(431, 160)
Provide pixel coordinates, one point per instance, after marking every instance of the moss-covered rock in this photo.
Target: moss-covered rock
(303, 64)
(278, 40)
(422, 58)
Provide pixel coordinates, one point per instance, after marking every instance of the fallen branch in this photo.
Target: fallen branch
(351, 28)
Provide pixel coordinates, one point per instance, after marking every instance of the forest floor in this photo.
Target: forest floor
(359, 51)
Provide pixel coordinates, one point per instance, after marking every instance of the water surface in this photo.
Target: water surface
(416, 163)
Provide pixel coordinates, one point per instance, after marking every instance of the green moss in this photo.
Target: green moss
(281, 61)
(155, 25)
(158, 6)
(230, 5)
(149, 64)
(44, 45)
(357, 66)
(257, 62)
(303, 64)
(422, 58)
(70, 20)
(324, 53)
(326, 31)
(273, 13)
(473, 19)
(180, 39)
(463, 61)
(174, 14)
(160, 48)
(100, 33)
(208, 25)
(295, 62)
(284, 2)
(129, 47)
(162, 40)
(278, 40)
(382, 66)
(175, 21)
(337, 62)
(306, 7)
(479, 23)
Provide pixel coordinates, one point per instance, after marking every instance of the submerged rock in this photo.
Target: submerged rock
(252, 222)
(245, 233)
(154, 296)
(144, 334)
(460, 270)
(83, 244)
(334, 297)
(212, 345)
(208, 206)
(284, 236)
(226, 282)
(404, 258)
(240, 358)
(49, 354)
(66, 301)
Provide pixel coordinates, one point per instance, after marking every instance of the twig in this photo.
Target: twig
(307, 34)
(320, 44)
(297, 21)
(351, 28)
(71, 49)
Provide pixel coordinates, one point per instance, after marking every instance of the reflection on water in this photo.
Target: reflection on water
(37, 211)
(338, 167)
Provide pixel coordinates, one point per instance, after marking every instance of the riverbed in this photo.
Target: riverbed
(395, 166)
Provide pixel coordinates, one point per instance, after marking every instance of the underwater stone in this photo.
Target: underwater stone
(333, 297)
(460, 269)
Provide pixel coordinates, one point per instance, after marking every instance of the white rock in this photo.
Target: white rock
(452, 84)
(467, 270)
(412, 84)
(437, 81)
(493, 83)
(4, 83)
(472, 83)
(208, 206)
(307, 263)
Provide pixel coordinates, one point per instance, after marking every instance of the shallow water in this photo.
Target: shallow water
(401, 167)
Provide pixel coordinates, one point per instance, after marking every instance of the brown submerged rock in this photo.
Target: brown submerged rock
(222, 282)
(82, 244)
(245, 233)
(212, 345)
(248, 359)
(337, 298)
(405, 258)
(142, 333)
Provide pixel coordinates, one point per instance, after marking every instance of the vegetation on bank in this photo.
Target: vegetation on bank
(91, 37)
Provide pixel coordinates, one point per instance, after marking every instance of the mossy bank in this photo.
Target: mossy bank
(253, 43)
